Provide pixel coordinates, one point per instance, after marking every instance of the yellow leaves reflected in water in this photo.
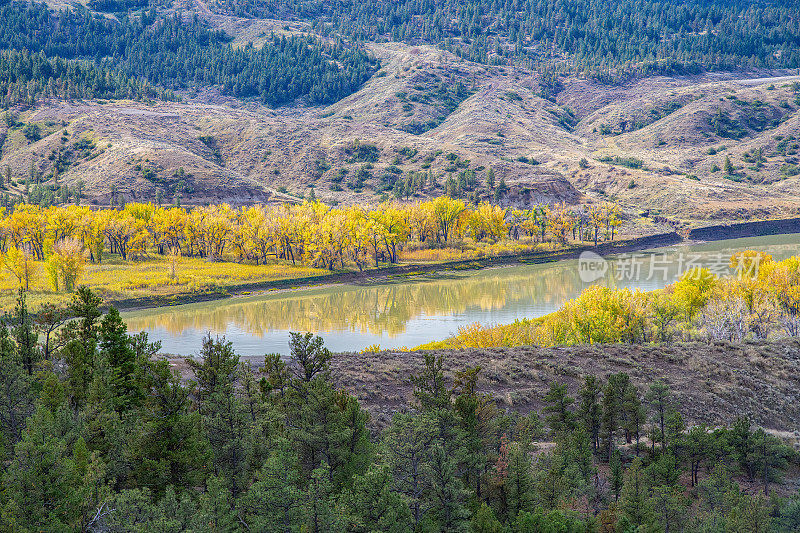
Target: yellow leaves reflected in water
(500, 294)
(384, 308)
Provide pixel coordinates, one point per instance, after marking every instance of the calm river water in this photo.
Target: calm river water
(413, 311)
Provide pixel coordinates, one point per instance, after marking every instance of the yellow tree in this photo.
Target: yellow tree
(359, 238)
(447, 213)
(693, 290)
(517, 219)
(125, 233)
(69, 257)
(327, 240)
(375, 233)
(216, 228)
(610, 218)
(561, 222)
(421, 221)
(488, 221)
(541, 217)
(27, 227)
(290, 227)
(240, 240)
(394, 220)
(752, 270)
(596, 220)
(169, 228)
(91, 230)
(21, 265)
(258, 232)
(62, 222)
(664, 314)
(782, 281)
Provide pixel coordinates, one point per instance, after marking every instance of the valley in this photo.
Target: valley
(358, 266)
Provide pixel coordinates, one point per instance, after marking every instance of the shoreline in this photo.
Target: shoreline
(705, 233)
(383, 273)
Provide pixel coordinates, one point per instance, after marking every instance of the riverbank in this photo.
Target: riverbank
(398, 271)
(758, 228)
(608, 248)
(240, 281)
(732, 376)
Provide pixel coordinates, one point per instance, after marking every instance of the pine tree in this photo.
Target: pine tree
(407, 447)
(518, 482)
(309, 357)
(660, 400)
(447, 494)
(223, 414)
(25, 338)
(80, 351)
(490, 179)
(633, 497)
(16, 396)
(372, 504)
(429, 386)
(501, 190)
(320, 505)
(274, 501)
(216, 510)
(615, 465)
(485, 521)
(168, 447)
(116, 346)
(560, 418)
(41, 481)
(728, 166)
(589, 409)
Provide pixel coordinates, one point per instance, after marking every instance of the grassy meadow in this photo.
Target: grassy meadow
(155, 276)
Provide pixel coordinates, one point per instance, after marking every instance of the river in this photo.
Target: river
(410, 311)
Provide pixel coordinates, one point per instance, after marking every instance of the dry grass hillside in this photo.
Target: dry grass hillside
(657, 144)
(714, 383)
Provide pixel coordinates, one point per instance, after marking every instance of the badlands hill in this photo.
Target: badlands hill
(657, 144)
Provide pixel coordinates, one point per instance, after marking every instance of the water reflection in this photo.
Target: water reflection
(410, 312)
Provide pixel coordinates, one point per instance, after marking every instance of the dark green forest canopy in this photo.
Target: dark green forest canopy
(177, 53)
(645, 34)
(24, 77)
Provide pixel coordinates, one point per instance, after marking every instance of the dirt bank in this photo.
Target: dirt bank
(739, 230)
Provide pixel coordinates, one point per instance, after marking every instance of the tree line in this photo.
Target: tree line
(99, 57)
(606, 39)
(312, 232)
(100, 433)
(26, 78)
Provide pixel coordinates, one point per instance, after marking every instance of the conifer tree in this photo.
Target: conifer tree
(559, 416)
(589, 409)
(116, 346)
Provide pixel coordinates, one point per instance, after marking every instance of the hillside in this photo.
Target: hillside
(254, 151)
(427, 122)
(716, 383)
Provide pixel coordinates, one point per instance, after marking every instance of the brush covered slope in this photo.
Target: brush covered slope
(403, 113)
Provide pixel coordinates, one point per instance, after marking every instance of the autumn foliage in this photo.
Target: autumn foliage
(311, 233)
(760, 299)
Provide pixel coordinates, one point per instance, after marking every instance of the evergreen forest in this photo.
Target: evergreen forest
(75, 53)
